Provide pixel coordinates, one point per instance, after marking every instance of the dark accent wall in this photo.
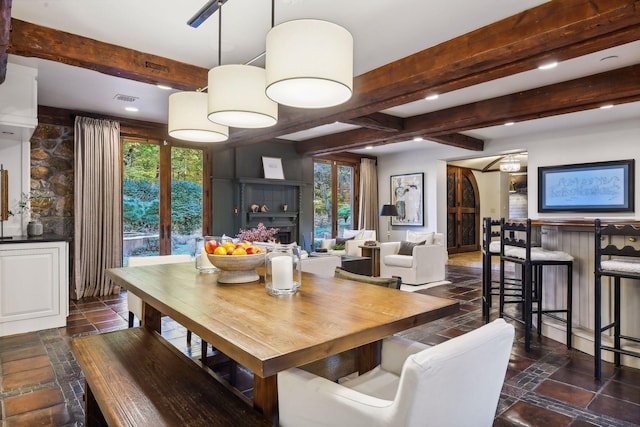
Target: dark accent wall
(231, 164)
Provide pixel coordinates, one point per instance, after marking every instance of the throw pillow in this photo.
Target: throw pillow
(340, 240)
(406, 248)
(413, 236)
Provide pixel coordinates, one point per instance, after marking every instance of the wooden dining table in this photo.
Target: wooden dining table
(267, 334)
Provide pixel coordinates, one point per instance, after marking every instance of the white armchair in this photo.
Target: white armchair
(456, 383)
(425, 264)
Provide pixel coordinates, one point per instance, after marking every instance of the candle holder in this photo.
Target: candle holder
(203, 265)
(283, 270)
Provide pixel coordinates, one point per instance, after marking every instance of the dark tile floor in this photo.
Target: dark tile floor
(551, 386)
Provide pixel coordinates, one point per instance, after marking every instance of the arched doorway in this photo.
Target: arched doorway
(463, 211)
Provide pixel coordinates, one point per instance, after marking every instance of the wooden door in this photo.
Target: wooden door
(463, 211)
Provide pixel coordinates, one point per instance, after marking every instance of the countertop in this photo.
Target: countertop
(36, 239)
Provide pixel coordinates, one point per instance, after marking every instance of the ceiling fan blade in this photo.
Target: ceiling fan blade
(205, 12)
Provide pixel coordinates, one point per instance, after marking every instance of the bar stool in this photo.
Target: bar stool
(624, 266)
(516, 247)
(491, 286)
(490, 249)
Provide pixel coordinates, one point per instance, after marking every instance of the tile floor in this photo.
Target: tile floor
(551, 386)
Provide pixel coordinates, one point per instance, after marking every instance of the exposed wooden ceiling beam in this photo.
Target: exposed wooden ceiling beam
(5, 30)
(379, 121)
(557, 30)
(617, 86)
(33, 40)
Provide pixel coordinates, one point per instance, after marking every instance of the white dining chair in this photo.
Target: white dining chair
(456, 383)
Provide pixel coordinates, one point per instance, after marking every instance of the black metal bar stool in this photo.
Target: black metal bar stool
(490, 249)
(625, 265)
(491, 286)
(516, 247)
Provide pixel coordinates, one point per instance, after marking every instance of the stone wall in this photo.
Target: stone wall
(52, 173)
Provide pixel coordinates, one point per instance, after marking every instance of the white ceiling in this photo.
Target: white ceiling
(382, 31)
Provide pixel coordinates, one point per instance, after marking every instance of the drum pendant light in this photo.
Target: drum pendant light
(237, 98)
(188, 119)
(236, 93)
(309, 64)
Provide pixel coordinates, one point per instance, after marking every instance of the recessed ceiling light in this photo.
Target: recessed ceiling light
(132, 109)
(510, 123)
(163, 87)
(368, 147)
(432, 97)
(548, 65)
(418, 138)
(606, 107)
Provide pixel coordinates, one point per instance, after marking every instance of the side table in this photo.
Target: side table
(372, 252)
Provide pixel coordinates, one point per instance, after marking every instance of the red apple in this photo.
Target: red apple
(211, 245)
(251, 250)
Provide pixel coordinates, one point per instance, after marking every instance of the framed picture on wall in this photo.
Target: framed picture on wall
(587, 187)
(407, 194)
(272, 168)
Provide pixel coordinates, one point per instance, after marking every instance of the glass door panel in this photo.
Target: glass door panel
(186, 198)
(141, 199)
(345, 194)
(322, 202)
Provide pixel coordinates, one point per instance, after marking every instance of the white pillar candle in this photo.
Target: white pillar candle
(204, 259)
(282, 272)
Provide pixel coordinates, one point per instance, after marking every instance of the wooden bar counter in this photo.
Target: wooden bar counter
(576, 237)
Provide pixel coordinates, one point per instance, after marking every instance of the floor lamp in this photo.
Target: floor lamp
(389, 210)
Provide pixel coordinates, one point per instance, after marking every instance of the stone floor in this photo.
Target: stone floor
(550, 386)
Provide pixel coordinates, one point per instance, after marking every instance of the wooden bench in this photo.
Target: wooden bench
(134, 377)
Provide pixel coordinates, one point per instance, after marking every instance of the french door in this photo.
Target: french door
(334, 200)
(164, 197)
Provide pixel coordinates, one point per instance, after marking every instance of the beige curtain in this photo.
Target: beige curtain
(98, 206)
(369, 195)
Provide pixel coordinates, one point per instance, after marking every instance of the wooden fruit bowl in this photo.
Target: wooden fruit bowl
(237, 268)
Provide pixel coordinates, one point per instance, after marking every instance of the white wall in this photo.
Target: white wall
(15, 158)
(613, 141)
(434, 179)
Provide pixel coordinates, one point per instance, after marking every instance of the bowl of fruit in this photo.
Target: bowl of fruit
(237, 262)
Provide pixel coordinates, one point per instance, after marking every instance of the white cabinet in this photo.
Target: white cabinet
(34, 286)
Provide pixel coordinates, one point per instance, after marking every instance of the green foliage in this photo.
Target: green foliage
(142, 208)
(344, 212)
(186, 206)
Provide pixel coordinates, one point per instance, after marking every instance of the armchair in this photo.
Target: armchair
(456, 383)
(425, 264)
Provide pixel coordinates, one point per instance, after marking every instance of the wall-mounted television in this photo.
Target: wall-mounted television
(587, 187)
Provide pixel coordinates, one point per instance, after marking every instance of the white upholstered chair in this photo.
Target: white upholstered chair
(423, 263)
(456, 383)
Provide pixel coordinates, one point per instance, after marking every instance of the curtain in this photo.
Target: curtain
(98, 206)
(369, 219)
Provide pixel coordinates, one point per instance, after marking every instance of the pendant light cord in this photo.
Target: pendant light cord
(220, 3)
